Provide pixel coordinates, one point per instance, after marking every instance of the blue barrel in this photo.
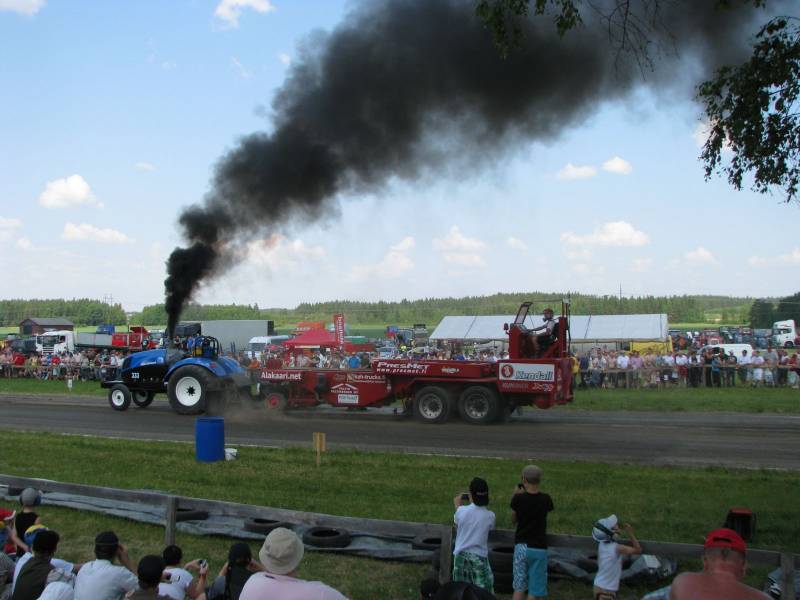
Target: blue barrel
(209, 439)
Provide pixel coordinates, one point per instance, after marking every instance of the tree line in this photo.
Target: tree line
(679, 309)
(81, 311)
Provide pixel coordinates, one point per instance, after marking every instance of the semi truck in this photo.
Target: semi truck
(55, 342)
(537, 373)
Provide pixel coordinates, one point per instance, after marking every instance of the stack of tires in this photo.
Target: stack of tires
(501, 559)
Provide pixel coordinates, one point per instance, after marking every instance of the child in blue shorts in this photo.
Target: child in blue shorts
(529, 508)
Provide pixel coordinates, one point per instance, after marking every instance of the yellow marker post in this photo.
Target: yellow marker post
(319, 445)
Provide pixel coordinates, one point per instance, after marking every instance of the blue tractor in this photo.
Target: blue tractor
(193, 377)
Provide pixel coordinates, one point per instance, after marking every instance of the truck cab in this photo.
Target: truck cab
(784, 334)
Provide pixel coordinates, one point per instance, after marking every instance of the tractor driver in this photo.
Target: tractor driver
(548, 328)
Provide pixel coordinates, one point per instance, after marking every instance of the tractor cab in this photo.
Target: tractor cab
(202, 346)
(524, 342)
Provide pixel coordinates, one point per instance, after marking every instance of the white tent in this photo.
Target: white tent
(592, 328)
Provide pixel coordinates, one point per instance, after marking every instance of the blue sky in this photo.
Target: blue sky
(113, 115)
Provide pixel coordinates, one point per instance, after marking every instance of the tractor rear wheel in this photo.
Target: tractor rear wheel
(432, 404)
(478, 405)
(142, 399)
(188, 390)
(119, 397)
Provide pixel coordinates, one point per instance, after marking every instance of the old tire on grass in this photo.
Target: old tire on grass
(478, 405)
(326, 537)
(119, 397)
(426, 542)
(501, 557)
(190, 514)
(432, 404)
(142, 399)
(188, 390)
(503, 582)
(264, 526)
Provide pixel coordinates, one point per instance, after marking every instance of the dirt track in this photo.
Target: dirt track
(733, 440)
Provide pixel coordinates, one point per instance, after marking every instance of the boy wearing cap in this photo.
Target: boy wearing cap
(473, 523)
(609, 556)
(281, 555)
(29, 499)
(529, 508)
(724, 566)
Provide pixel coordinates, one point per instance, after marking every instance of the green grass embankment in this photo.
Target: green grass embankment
(667, 504)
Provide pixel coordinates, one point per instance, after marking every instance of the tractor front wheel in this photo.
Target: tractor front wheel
(119, 397)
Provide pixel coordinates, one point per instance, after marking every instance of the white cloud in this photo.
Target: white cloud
(782, 260)
(617, 165)
(406, 244)
(700, 255)
(461, 259)
(516, 243)
(23, 7)
(285, 58)
(615, 233)
(394, 263)
(455, 240)
(571, 171)
(277, 252)
(458, 249)
(7, 228)
(230, 10)
(67, 192)
(240, 69)
(24, 243)
(641, 265)
(6, 223)
(89, 233)
(579, 254)
(144, 166)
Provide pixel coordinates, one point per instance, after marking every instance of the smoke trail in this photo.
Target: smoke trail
(403, 87)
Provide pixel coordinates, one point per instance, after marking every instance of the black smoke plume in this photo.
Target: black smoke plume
(404, 88)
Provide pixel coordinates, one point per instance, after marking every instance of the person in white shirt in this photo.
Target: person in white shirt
(179, 582)
(609, 556)
(473, 523)
(744, 371)
(758, 370)
(623, 362)
(101, 579)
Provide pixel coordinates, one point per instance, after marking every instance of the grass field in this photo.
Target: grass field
(668, 504)
(741, 399)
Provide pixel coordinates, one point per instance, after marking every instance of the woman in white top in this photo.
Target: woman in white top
(609, 556)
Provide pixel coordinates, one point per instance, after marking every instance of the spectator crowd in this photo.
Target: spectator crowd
(30, 568)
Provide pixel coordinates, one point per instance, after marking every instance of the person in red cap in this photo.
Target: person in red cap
(724, 566)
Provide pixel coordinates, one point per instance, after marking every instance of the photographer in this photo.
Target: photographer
(473, 523)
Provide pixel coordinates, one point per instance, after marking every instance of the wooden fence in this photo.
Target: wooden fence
(171, 503)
